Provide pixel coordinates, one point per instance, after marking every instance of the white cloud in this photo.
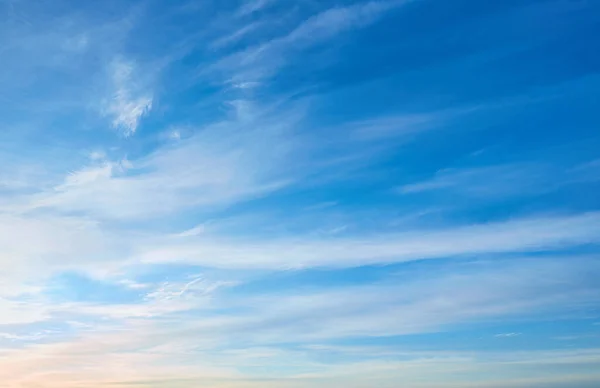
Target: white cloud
(36, 336)
(507, 335)
(38, 246)
(97, 155)
(518, 235)
(256, 151)
(235, 36)
(331, 22)
(195, 231)
(248, 332)
(198, 287)
(232, 161)
(263, 60)
(393, 126)
(174, 135)
(21, 312)
(504, 180)
(252, 6)
(130, 101)
(488, 181)
(133, 284)
(406, 305)
(46, 240)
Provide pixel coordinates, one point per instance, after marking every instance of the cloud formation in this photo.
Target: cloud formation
(128, 104)
(299, 194)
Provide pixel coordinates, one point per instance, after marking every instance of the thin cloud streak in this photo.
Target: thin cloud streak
(261, 61)
(518, 235)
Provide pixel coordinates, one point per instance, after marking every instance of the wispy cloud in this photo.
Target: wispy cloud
(536, 234)
(331, 22)
(198, 286)
(27, 337)
(489, 181)
(130, 101)
(254, 152)
(507, 335)
(234, 160)
(166, 345)
(51, 241)
(261, 61)
(503, 180)
(251, 6)
(236, 35)
(394, 126)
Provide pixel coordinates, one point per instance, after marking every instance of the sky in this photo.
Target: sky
(299, 193)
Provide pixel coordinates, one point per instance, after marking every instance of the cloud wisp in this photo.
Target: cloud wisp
(128, 104)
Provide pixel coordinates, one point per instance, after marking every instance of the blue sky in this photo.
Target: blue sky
(294, 194)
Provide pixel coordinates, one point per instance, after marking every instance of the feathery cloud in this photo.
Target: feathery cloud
(129, 102)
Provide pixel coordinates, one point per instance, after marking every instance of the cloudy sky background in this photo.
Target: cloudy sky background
(266, 193)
